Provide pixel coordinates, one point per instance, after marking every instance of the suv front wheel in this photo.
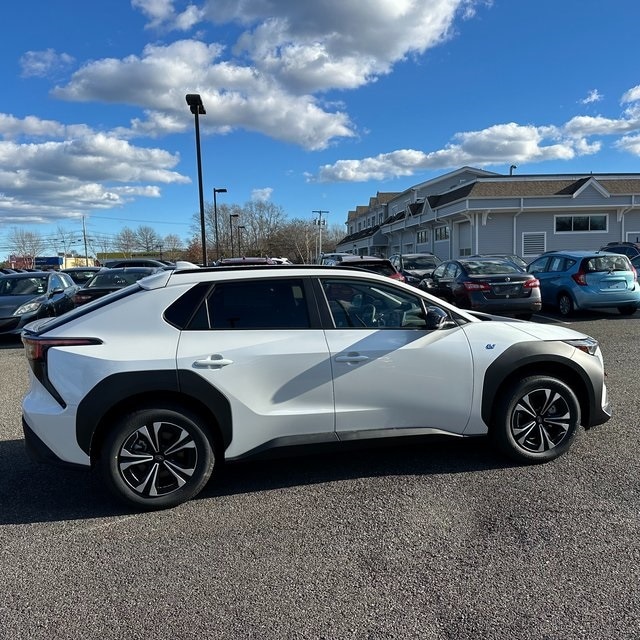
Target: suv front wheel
(536, 419)
(157, 458)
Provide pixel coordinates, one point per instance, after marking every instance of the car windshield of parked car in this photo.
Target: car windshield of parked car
(116, 280)
(491, 267)
(23, 286)
(421, 262)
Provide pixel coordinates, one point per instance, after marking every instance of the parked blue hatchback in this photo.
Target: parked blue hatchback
(576, 280)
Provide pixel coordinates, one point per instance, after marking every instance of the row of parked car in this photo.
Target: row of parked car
(501, 284)
(505, 284)
(30, 294)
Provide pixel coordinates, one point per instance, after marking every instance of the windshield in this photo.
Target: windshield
(487, 267)
(23, 286)
(421, 262)
(116, 279)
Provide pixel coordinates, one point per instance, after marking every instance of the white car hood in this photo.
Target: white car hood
(548, 331)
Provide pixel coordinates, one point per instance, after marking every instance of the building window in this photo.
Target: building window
(422, 236)
(441, 233)
(582, 223)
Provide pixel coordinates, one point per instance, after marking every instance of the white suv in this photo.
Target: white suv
(159, 383)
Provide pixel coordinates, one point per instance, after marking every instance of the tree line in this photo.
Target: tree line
(256, 228)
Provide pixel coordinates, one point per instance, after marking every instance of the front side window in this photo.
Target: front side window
(360, 304)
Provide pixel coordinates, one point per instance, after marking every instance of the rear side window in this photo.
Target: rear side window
(255, 304)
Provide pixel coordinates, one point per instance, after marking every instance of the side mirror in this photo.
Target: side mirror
(436, 318)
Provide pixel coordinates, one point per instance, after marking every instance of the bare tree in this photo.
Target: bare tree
(126, 242)
(172, 245)
(63, 240)
(26, 245)
(147, 239)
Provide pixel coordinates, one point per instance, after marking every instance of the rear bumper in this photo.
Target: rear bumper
(505, 307)
(40, 452)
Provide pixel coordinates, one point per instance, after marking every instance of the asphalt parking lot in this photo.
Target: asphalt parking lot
(436, 540)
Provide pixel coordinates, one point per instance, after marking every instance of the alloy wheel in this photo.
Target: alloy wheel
(157, 459)
(540, 420)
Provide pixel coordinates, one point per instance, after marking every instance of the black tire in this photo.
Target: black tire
(627, 310)
(565, 305)
(165, 475)
(536, 419)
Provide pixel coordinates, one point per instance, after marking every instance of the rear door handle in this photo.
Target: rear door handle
(212, 362)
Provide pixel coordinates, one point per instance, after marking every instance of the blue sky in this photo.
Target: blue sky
(310, 105)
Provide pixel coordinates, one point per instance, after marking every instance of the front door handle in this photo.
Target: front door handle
(352, 357)
(215, 361)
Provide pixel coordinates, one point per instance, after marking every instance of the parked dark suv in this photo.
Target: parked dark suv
(629, 249)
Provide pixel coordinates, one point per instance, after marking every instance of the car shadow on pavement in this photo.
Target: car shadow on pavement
(33, 492)
(420, 457)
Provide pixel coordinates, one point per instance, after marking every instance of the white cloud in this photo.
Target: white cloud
(43, 63)
(499, 144)
(262, 195)
(161, 14)
(82, 170)
(632, 95)
(593, 96)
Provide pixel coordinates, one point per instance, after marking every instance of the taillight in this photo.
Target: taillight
(397, 276)
(35, 349)
(531, 284)
(477, 286)
(580, 278)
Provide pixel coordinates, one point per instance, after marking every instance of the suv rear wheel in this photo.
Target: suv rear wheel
(157, 458)
(536, 420)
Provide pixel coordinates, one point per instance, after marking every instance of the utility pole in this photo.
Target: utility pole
(320, 222)
(84, 236)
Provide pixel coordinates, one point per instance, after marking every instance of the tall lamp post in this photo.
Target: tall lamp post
(240, 229)
(320, 222)
(215, 219)
(197, 108)
(231, 217)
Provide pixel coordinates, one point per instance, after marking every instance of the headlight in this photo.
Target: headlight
(588, 345)
(27, 307)
(409, 278)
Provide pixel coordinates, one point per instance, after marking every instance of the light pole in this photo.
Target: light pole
(231, 217)
(215, 219)
(320, 222)
(240, 228)
(197, 108)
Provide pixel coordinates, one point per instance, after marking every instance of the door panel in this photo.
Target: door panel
(277, 381)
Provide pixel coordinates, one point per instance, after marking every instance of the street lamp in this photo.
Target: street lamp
(231, 217)
(197, 108)
(215, 219)
(240, 228)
